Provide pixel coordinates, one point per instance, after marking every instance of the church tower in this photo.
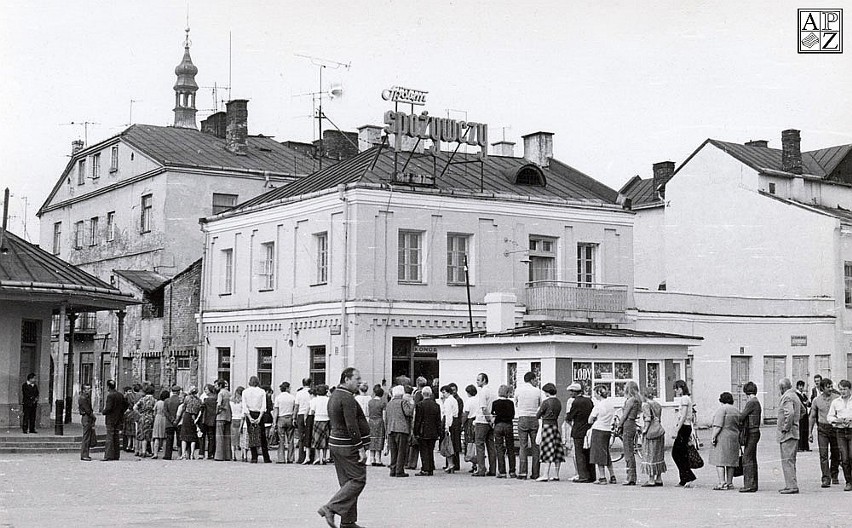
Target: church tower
(185, 89)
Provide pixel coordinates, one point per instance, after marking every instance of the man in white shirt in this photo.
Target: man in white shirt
(282, 416)
(254, 405)
(303, 403)
(484, 429)
(527, 402)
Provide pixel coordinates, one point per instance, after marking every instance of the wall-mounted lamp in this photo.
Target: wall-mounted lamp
(526, 254)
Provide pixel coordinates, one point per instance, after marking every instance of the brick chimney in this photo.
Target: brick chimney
(216, 124)
(663, 172)
(791, 151)
(338, 145)
(499, 311)
(368, 137)
(76, 146)
(236, 131)
(503, 148)
(757, 143)
(538, 148)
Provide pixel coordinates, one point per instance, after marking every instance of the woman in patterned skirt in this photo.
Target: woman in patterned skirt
(192, 407)
(321, 429)
(552, 451)
(145, 408)
(375, 417)
(653, 449)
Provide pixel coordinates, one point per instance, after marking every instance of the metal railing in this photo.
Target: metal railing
(553, 297)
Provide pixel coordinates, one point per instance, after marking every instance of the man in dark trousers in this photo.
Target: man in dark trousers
(578, 416)
(427, 429)
(87, 420)
(113, 415)
(350, 433)
(170, 409)
(29, 401)
(413, 450)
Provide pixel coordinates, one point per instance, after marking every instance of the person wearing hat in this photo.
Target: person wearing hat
(579, 414)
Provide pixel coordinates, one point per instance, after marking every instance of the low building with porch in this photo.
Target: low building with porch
(34, 286)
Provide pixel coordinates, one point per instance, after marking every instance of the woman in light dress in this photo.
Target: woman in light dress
(158, 435)
(726, 441)
(239, 440)
(321, 430)
(653, 449)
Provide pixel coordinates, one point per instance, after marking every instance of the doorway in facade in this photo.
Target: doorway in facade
(740, 375)
(774, 368)
(409, 359)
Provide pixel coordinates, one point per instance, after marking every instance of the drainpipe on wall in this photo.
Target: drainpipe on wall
(344, 289)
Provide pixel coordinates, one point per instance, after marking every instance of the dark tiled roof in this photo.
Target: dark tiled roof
(147, 281)
(27, 267)
(845, 215)
(496, 176)
(818, 163)
(545, 330)
(641, 192)
(186, 147)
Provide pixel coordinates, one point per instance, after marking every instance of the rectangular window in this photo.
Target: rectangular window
(322, 257)
(847, 281)
(93, 231)
(317, 372)
(771, 188)
(81, 172)
(96, 166)
(227, 271)
(652, 377)
(79, 233)
(57, 237)
(264, 366)
(223, 202)
(224, 363)
(586, 264)
(613, 375)
(110, 226)
(113, 159)
(822, 362)
(267, 266)
(512, 374)
(542, 259)
(410, 256)
(147, 208)
(456, 258)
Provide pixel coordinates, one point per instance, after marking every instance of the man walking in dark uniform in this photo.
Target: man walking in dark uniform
(350, 433)
(87, 420)
(29, 401)
(170, 409)
(114, 413)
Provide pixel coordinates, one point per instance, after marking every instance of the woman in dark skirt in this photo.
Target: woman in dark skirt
(552, 451)
(601, 419)
(192, 407)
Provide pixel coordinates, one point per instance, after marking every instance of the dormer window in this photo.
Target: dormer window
(530, 175)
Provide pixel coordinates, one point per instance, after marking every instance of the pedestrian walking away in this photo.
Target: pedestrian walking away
(350, 434)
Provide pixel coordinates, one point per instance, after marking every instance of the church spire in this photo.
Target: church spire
(185, 89)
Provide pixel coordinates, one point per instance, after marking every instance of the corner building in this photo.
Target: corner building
(349, 265)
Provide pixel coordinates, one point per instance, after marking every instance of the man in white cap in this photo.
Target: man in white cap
(579, 418)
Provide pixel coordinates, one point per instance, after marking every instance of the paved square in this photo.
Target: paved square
(60, 490)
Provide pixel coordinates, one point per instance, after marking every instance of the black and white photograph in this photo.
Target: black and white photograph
(374, 265)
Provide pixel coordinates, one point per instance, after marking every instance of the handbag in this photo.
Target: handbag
(738, 469)
(655, 430)
(587, 440)
(446, 447)
(694, 457)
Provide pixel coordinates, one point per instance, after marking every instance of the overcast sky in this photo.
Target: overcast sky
(621, 84)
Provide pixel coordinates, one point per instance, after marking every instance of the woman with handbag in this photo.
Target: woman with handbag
(603, 414)
(653, 440)
(749, 437)
(682, 434)
(726, 446)
(551, 439)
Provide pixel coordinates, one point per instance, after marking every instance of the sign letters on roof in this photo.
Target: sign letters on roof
(437, 129)
(399, 94)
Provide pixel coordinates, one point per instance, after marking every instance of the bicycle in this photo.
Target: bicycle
(616, 443)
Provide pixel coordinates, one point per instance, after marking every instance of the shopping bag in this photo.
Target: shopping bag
(446, 447)
(738, 469)
(695, 460)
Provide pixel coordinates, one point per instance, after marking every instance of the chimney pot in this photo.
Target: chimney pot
(791, 151)
(663, 172)
(503, 148)
(538, 148)
(236, 132)
(500, 311)
(757, 143)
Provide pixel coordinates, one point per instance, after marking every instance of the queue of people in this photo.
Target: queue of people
(408, 421)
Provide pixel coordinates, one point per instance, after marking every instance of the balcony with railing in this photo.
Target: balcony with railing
(572, 301)
(86, 323)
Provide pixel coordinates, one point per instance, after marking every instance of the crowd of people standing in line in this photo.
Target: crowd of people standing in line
(408, 421)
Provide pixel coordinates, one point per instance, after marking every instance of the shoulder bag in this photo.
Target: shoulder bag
(655, 430)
